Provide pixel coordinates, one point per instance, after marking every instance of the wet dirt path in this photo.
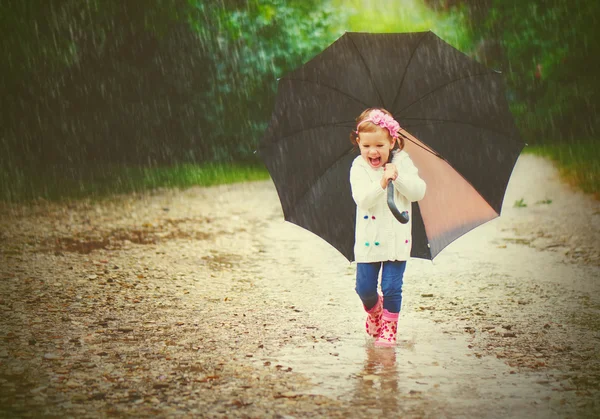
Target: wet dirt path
(205, 303)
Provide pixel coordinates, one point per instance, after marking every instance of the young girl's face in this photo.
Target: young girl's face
(375, 147)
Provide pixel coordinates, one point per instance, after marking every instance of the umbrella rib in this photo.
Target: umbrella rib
(429, 150)
(406, 69)
(362, 59)
(327, 87)
(441, 87)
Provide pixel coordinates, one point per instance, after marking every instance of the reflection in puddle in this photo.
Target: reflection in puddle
(377, 383)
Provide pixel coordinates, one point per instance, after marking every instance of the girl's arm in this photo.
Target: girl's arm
(364, 191)
(408, 182)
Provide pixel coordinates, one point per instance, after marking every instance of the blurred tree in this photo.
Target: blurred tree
(151, 81)
(450, 23)
(79, 76)
(255, 44)
(477, 9)
(548, 50)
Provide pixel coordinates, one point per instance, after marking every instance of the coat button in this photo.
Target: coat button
(373, 217)
(376, 243)
(367, 244)
(366, 217)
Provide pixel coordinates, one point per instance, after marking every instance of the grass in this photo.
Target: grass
(578, 163)
(520, 203)
(103, 181)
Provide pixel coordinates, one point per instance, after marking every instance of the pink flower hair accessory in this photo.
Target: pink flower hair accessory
(384, 121)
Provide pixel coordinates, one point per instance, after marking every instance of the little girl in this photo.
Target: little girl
(380, 240)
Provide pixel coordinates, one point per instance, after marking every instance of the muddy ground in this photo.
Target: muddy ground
(205, 303)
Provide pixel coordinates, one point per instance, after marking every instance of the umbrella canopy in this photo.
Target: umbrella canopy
(458, 128)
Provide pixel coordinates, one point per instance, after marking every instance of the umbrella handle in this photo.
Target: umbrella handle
(400, 216)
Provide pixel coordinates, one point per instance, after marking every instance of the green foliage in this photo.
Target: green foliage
(84, 80)
(548, 51)
(520, 203)
(405, 16)
(254, 46)
(101, 181)
(175, 80)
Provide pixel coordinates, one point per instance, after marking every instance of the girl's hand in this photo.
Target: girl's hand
(389, 172)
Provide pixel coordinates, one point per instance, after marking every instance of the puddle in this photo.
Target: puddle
(427, 366)
(433, 372)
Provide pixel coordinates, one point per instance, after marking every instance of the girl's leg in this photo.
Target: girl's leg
(366, 283)
(391, 285)
(366, 288)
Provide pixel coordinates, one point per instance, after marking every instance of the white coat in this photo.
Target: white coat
(379, 237)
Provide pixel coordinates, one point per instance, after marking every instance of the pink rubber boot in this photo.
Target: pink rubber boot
(389, 328)
(373, 323)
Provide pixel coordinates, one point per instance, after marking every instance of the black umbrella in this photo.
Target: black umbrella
(458, 128)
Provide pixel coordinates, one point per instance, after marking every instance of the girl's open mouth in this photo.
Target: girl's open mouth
(375, 162)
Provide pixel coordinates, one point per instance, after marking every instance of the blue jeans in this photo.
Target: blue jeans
(367, 275)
